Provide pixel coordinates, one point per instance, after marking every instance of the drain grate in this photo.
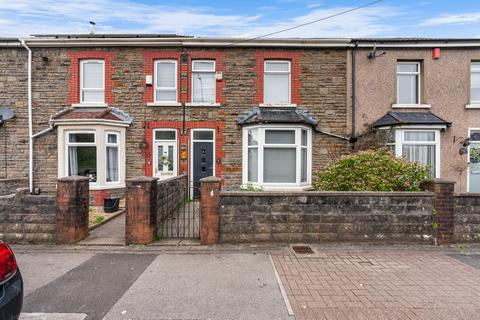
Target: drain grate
(302, 249)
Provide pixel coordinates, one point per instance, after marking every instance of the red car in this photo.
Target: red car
(11, 285)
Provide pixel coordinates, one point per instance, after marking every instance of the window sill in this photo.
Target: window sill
(89, 105)
(473, 106)
(411, 106)
(164, 104)
(107, 186)
(285, 105)
(201, 104)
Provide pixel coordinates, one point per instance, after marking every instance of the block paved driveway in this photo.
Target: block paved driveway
(338, 283)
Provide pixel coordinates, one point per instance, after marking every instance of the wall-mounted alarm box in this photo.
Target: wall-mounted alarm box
(148, 80)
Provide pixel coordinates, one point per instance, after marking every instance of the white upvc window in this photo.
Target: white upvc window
(112, 144)
(473, 177)
(166, 87)
(408, 83)
(419, 145)
(96, 152)
(92, 81)
(203, 81)
(82, 155)
(277, 156)
(475, 83)
(277, 82)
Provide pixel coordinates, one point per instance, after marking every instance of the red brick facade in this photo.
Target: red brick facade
(295, 85)
(74, 71)
(184, 143)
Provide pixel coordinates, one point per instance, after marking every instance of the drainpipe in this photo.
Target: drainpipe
(353, 137)
(30, 130)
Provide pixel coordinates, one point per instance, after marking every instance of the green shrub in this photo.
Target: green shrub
(377, 170)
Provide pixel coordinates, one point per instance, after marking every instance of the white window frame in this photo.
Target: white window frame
(262, 145)
(418, 73)
(468, 157)
(174, 62)
(289, 72)
(82, 89)
(69, 144)
(155, 144)
(117, 145)
(194, 71)
(472, 72)
(400, 141)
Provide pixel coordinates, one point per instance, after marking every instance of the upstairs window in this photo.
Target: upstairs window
(92, 88)
(408, 83)
(277, 82)
(203, 81)
(475, 83)
(165, 81)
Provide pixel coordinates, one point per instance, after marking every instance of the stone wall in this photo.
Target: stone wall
(27, 218)
(9, 186)
(467, 218)
(326, 216)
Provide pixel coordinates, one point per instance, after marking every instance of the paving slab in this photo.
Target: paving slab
(40, 268)
(52, 316)
(211, 286)
(110, 233)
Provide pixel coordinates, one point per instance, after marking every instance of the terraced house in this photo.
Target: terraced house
(422, 99)
(267, 113)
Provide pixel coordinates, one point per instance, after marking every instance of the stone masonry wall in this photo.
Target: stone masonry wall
(467, 218)
(9, 186)
(326, 216)
(27, 218)
(321, 75)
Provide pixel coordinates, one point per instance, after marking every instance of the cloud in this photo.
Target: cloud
(26, 17)
(451, 19)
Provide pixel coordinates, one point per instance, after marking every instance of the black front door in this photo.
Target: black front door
(202, 164)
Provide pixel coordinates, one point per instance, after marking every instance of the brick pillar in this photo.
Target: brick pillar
(72, 209)
(141, 215)
(209, 210)
(444, 204)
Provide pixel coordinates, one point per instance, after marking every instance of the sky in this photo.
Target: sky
(389, 18)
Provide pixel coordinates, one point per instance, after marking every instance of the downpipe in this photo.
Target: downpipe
(30, 125)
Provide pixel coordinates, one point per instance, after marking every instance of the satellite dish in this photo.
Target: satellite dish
(6, 114)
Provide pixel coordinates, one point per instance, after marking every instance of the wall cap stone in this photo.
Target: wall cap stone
(141, 179)
(440, 181)
(72, 178)
(469, 195)
(327, 193)
(211, 179)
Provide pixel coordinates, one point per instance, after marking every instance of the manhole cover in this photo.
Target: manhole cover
(302, 249)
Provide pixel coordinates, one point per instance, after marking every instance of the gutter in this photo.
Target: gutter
(30, 125)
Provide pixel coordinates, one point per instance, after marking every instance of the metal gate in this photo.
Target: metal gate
(178, 211)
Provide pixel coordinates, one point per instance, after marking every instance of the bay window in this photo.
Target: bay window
(92, 88)
(276, 156)
(203, 81)
(96, 152)
(408, 83)
(422, 146)
(277, 82)
(165, 81)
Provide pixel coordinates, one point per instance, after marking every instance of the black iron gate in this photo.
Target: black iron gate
(178, 209)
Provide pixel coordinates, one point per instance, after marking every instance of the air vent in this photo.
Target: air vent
(302, 249)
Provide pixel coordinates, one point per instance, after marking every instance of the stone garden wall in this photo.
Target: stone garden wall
(9, 186)
(326, 216)
(467, 218)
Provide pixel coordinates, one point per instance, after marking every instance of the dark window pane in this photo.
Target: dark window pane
(203, 135)
(82, 137)
(82, 161)
(165, 135)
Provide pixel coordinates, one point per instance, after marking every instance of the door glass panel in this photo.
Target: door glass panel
(160, 157)
(165, 135)
(170, 158)
(202, 135)
(279, 165)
